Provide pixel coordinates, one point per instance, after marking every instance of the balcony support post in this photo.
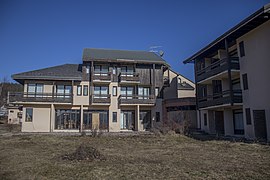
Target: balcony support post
(229, 70)
(81, 122)
(91, 82)
(154, 79)
(72, 94)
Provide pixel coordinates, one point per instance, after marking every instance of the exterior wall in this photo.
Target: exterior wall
(40, 121)
(13, 116)
(81, 100)
(256, 64)
(114, 126)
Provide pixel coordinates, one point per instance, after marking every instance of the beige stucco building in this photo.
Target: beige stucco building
(112, 90)
(231, 76)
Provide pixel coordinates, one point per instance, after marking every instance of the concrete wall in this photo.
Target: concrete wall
(41, 119)
(256, 63)
(81, 100)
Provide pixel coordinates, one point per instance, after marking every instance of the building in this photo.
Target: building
(179, 104)
(232, 75)
(112, 90)
(14, 114)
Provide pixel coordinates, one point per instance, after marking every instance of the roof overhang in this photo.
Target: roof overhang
(248, 24)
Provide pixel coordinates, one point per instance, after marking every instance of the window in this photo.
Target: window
(143, 92)
(87, 69)
(101, 70)
(242, 49)
(114, 117)
(127, 92)
(245, 81)
(85, 90)
(63, 91)
(248, 116)
(157, 116)
(114, 70)
(157, 91)
(114, 91)
(79, 90)
(67, 119)
(127, 71)
(205, 119)
(238, 122)
(34, 90)
(101, 91)
(29, 115)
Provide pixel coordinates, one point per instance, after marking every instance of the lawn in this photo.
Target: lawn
(131, 157)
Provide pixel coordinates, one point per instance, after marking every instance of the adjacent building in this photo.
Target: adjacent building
(232, 75)
(112, 90)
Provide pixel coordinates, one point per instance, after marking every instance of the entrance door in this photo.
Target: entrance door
(260, 124)
(95, 120)
(145, 120)
(127, 120)
(219, 121)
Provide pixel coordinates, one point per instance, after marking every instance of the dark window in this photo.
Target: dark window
(238, 122)
(245, 81)
(242, 49)
(205, 119)
(158, 116)
(85, 90)
(114, 91)
(67, 119)
(114, 116)
(29, 115)
(79, 90)
(248, 116)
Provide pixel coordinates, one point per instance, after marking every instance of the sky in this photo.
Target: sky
(36, 34)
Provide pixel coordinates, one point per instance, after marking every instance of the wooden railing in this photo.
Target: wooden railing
(102, 76)
(220, 99)
(39, 97)
(217, 67)
(101, 98)
(129, 77)
(136, 99)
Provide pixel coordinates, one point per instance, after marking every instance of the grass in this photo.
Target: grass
(132, 157)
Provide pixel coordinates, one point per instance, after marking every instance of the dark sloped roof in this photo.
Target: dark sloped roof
(90, 54)
(61, 72)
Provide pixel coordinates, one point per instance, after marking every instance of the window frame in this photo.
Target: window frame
(85, 90)
(79, 92)
(26, 110)
(245, 81)
(114, 91)
(114, 117)
(242, 49)
(248, 116)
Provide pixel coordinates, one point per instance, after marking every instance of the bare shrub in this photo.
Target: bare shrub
(84, 152)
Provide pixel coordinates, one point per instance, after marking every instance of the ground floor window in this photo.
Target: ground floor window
(238, 122)
(67, 119)
(127, 120)
(29, 115)
(95, 119)
(145, 119)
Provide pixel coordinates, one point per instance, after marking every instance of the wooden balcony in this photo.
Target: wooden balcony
(102, 77)
(129, 77)
(18, 97)
(136, 99)
(217, 67)
(220, 99)
(101, 99)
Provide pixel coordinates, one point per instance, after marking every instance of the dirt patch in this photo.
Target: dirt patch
(84, 153)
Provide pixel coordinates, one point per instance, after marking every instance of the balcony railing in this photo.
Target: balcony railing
(129, 77)
(101, 76)
(101, 98)
(136, 99)
(39, 97)
(217, 67)
(220, 99)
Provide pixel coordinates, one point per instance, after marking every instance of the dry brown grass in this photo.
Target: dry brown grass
(132, 157)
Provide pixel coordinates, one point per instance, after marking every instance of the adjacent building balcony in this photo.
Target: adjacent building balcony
(217, 68)
(101, 99)
(21, 97)
(136, 99)
(125, 77)
(220, 99)
(102, 77)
